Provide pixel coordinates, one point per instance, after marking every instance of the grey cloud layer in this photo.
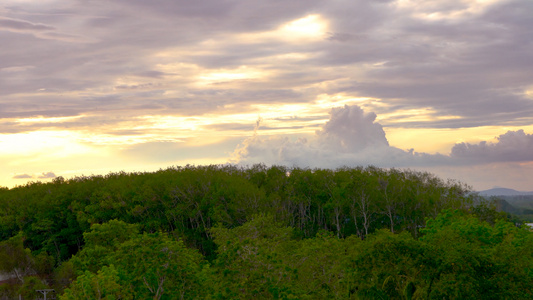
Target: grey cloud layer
(476, 67)
(473, 67)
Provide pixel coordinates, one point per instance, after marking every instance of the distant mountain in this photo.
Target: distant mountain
(503, 192)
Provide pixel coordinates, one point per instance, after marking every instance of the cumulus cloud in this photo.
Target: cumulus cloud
(350, 129)
(513, 146)
(351, 137)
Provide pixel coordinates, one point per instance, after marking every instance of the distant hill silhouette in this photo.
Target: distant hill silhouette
(503, 192)
(511, 201)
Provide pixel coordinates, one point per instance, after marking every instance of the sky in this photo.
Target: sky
(97, 86)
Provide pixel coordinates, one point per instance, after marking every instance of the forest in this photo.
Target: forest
(258, 232)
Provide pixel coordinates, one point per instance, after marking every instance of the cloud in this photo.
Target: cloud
(47, 175)
(351, 137)
(467, 59)
(23, 176)
(22, 25)
(43, 175)
(350, 129)
(455, 65)
(513, 146)
(104, 66)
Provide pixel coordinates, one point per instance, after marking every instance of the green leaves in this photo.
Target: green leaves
(154, 265)
(264, 259)
(110, 234)
(250, 259)
(389, 265)
(15, 259)
(474, 257)
(104, 285)
(118, 262)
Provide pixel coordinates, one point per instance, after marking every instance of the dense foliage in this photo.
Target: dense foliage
(261, 232)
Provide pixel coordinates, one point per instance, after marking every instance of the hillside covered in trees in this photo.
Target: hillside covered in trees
(519, 205)
(226, 232)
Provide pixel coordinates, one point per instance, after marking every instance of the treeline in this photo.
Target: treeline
(189, 200)
(198, 226)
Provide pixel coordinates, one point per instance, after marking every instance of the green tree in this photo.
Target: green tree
(156, 266)
(15, 259)
(101, 241)
(322, 265)
(103, 285)
(251, 260)
(388, 266)
(478, 260)
(141, 265)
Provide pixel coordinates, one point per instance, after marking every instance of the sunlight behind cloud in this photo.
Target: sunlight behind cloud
(42, 119)
(326, 101)
(170, 122)
(273, 111)
(444, 10)
(202, 77)
(193, 80)
(427, 114)
(209, 77)
(174, 68)
(309, 27)
(529, 92)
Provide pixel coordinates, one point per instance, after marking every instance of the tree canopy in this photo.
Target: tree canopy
(230, 232)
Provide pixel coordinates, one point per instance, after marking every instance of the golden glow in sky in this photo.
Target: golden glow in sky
(94, 87)
(309, 27)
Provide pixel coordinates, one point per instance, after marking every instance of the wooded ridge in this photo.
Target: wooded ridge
(230, 232)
